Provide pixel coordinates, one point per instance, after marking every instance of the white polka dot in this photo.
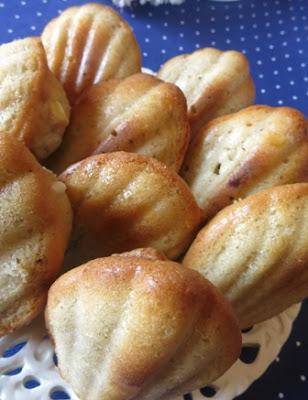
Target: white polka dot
(300, 51)
(181, 34)
(298, 343)
(303, 378)
(261, 76)
(212, 19)
(303, 65)
(263, 91)
(280, 395)
(278, 87)
(228, 41)
(213, 30)
(148, 26)
(166, 12)
(268, 24)
(227, 28)
(253, 15)
(163, 51)
(282, 33)
(145, 54)
(197, 21)
(44, 1)
(197, 46)
(1, 5)
(276, 72)
(241, 16)
(284, 44)
(147, 40)
(298, 39)
(280, 21)
(16, 16)
(133, 15)
(164, 37)
(213, 43)
(287, 55)
(38, 13)
(181, 48)
(269, 35)
(254, 26)
(295, 28)
(242, 39)
(166, 24)
(277, 359)
(150, 14)
(33, 28)
(290, 69)
(10, 30)
(256, 37)
(242, 27)
(266, 14)
(258, 49)
(259, 62)
(306, 80)
(292, 83)
(182, 22)
(280, 102)
(227, 17)
(23, 3)
(197, 33)
(244, 51)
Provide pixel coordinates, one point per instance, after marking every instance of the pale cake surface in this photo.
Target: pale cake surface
(256, 252)
(33, 104)
(88, 44)
(140, 114)
(123, 201)
(128, 328)
(35, 223)
(214, 82)
(242, 153)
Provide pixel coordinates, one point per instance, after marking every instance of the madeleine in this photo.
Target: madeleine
(88, 44)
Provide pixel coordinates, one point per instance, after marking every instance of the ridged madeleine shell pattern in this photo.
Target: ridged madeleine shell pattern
(123, 201)
(35, 224)
(240, 154)
(131, 328)
(140, 114)
(255, 252)
(33, 104)
(88, 44)
(214, 82)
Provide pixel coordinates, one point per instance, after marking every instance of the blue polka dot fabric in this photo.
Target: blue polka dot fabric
(274, 36)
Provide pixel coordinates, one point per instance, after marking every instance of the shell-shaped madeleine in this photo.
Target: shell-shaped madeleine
(35, 224)
(242, 153)
(140, 114)
(88, 44)
(255, 252)
(123, 201)
(214, 82)
(33, 104)
(128, 328)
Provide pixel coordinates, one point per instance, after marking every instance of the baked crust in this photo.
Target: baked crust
(140, 114)
(214, 82)
(33, 104)
(135, 328)
(240, 154)
(123, 201)
(35, 224)
(255, 252)
(88, 44)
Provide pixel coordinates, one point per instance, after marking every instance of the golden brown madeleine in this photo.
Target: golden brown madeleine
(140, 114)
(35, 224)
(256, 252)
(148, 252)
(242, 153)
(33, 104)
(88, 44)
(128, 328)
(214, 82)
(123, 201)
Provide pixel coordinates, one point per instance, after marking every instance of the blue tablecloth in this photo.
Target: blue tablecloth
(274, 36)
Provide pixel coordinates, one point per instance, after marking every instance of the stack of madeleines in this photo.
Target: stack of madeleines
(145, 169)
